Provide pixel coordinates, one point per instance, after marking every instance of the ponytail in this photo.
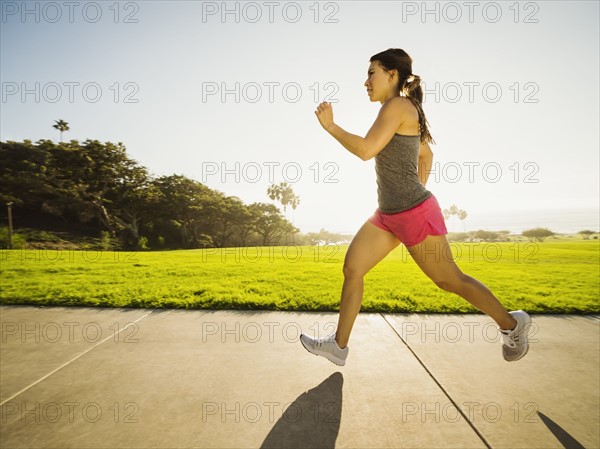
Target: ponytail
(412, 90)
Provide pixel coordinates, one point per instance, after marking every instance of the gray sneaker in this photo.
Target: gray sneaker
(326, 347)
(515, 344)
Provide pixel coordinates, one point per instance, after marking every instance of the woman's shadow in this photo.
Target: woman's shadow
(312, 420)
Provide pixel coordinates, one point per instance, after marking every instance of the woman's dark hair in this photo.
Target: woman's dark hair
(396, 58)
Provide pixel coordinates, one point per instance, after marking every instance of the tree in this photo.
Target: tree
(503, 236)
(245, 225)
(326, 237)
(67, 173)
(61, 125)
(269, 223)
(486, 236)
(23, 170)
(537, 234)
(454, 210)
(284, 194)
(457, 236)
(134, 201)
(189, 207)
(96, 187)
(462, 214)
(586, 234)
(91, 173)
(230, 214)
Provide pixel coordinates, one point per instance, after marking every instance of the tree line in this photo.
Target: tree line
(96, 187)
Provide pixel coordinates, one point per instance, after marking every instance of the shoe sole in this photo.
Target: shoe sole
(526, 333)
(327, 355)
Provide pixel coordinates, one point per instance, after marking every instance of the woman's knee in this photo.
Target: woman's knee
(353, 271)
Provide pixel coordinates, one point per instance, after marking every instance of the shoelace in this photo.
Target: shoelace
(326, 339)
(511, 339)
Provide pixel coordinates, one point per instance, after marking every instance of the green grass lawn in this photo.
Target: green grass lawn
(547, 277)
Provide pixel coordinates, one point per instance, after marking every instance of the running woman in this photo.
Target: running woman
(407, 212)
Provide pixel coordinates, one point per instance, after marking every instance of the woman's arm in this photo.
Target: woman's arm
(425, 162)
(389, 118)
(353, 143)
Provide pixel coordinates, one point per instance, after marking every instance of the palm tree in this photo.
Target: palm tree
(284, 194)
(453, 210)
(61, 125)
(462, 214)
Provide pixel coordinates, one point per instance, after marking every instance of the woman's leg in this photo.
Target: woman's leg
(434, 256)
(369, 246)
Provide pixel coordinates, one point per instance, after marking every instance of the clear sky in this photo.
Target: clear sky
(524, 139)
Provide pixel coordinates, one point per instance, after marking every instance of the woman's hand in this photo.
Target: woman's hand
(324, 113)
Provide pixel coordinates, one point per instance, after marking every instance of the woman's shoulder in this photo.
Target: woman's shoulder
(403, 104)
(409, 113)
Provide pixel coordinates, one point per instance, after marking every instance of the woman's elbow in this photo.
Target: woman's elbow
(366, 157)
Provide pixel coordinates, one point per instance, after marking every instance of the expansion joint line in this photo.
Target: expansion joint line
(71, 361)
(439, 385)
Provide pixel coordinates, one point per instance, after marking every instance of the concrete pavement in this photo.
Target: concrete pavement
(146, 378)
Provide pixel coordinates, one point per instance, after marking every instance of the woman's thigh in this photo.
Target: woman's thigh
(369, 246)
(434, 256)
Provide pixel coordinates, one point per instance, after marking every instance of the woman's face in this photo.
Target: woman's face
(377, 81)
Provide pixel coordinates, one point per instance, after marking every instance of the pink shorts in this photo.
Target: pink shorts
(412, 226)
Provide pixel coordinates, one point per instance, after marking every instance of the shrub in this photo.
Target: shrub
(143, 243)
(537, 234)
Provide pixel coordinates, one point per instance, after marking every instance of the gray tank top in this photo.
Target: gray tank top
(398, 185)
